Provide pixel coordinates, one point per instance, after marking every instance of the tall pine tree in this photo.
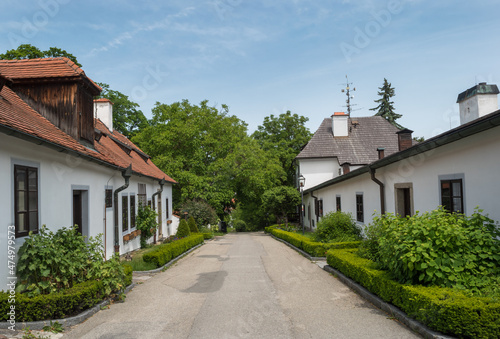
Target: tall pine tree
(385, 106)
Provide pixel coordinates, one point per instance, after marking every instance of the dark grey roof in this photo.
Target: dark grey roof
(481, 88)
(359, 148)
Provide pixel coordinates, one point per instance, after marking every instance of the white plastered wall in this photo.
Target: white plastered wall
(58, 175)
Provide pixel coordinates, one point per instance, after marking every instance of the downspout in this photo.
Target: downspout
(161, 182)
(316, 214)
(126, 174)
(382, 190)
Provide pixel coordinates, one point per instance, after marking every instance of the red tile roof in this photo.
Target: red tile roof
(46, 68)
(17, 116)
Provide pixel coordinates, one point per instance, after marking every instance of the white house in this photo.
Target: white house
(62, 166)
(457, 169)
(343, 144)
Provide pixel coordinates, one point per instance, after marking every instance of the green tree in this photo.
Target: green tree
(127, 118)
(385, 106)
(284, 136)
(183, 229)
(146, 223)
(27, 51)
(192, 225)
(201, 211)
(253, 171)
(192, 143)
(280, 201)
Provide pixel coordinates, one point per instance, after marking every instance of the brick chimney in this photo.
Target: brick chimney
(103, 109)
(477, 101)
(340, 124)
(404, 139)
(380, 151)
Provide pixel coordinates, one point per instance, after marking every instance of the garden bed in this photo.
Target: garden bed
(442, 309)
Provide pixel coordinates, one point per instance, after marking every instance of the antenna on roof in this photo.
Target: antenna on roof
(347, 91)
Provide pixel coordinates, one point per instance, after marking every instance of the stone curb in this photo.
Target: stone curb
(79, 318)
(374, 299)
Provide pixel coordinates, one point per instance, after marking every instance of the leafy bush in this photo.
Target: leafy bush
(240, 225)
(49, 262)
(337, 227)
(442, 309)
(162, 254)
(146, 223)
(192, 225)
(201, 211)
(437, 248)
(183, 229)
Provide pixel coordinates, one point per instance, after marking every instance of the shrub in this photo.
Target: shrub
(315, 249)
(192, 225)
(240, 225)
(64, 303)
(146, 223)
(51, 261)
(162, 254)
(437, 248)
(201, 211)
(442, 309)
(336, 227)
(183, 229)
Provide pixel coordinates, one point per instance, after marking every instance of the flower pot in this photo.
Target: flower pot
(126, 237)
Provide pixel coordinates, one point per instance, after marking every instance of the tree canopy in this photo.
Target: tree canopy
(27, 51)
(127, 118)
(280, 201)
(385, 106)
(284, 136)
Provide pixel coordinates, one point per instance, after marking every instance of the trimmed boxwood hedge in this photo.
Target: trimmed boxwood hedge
(315, 249)
(162, 254)
(442, 309)
(53, 306)
(59, 305)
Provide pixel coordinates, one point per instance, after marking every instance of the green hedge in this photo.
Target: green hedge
(207, 236)
(442, 309)
(162, 254)
(315, 249)
(53, 306)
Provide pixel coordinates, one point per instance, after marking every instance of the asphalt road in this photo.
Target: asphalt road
(242, 286)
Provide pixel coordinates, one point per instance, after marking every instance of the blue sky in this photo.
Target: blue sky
(267, 57)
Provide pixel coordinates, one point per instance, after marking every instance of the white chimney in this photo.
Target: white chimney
(340, 124)
(103, 109)
(477, 101)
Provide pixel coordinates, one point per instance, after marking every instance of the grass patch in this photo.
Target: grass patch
(138, 264)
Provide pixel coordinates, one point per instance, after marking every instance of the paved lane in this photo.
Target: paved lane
(242, 286)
